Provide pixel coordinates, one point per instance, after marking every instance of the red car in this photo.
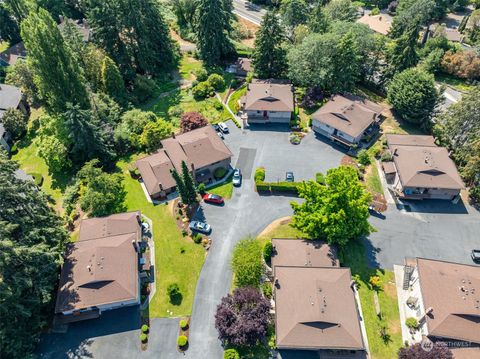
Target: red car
(212, 198)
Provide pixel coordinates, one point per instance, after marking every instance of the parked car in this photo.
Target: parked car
(220, 135)
(201, 227)
(289, 177)
(223, 127)
(237, 178)
(476, 255)
(216, 127)
(212, 198)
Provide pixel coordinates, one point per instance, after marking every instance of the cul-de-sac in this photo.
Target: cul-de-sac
(233, 179)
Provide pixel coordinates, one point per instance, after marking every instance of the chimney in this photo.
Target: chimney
(173, 134)
(193, 167)
(395, 152)
(134, 244)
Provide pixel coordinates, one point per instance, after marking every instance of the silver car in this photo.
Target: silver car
(201, 227)
(237, 178)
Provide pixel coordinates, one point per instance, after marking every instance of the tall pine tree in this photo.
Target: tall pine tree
(180, 186)
(212, 39)
(269, 56)
(57, 75)
(403, 54)
(317, 21)
(190, 189)
(9, 30)
(112, 81)
(347, 62)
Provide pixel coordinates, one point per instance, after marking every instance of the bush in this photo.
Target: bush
(143, 338)
(259, 174)
(191, 121)
(411, 323)
(363, 157)
(462, 64)
(231, 354)
(143, 88)
(14, 149)
(202, 90)
(247, 263)
(197, 238)
(201, 189)
(375, 11)
(182, 341)
(267, 251)
(219, 173)
(173, 290)
(284, 187)
(375, 282)
(216, 81)
(145, 328)
(320, 178)
(218, 105)
(201, 74)
(262, 186)
(267, 290)
(183, 324)
(175, 111)
(386, 156)
(37, 178)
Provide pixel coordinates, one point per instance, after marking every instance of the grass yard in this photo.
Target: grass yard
(235, 97)
(224, 189)
(456, 83)
(372, 179)
(171, 265)
(3, 45)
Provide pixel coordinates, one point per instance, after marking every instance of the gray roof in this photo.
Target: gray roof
(10, 96)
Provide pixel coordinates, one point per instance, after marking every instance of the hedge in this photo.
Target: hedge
(145, 328)
(259, 174)
(183, 324)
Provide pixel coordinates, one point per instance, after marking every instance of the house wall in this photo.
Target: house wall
(326, 130)
(424, 193)
(272, 116)
(224, 164)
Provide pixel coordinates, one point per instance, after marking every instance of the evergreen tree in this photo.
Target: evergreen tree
(317, 21)
(347, 64)
(190, 189)
(294, 13)
(9, 30)
(269, 56)
(32, 238)
(18, 8)
(180, 186)
(212, 40)
(112, 81)
(403, 54)
(57, 75)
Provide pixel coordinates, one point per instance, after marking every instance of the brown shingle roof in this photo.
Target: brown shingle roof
(452, 290)
(350, 114)
(420, 163)
(13, 53)
(316, 309)
(308, 253)
(200, 147)
(102, 266)
(269, 95)
(378, 23)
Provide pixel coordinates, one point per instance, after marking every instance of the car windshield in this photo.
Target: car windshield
(214, 196)
(200, 225)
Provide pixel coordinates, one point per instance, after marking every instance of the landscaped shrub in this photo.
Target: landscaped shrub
(267, 251)
(201, 74)
(375, 11)
(262, 186)
(143, 88)
(386, 156)
(143, 337)
(191, 121)
(145, 328)
(259, 174)
(247, 263)
(182, 341)
(201, 188)
(267, 289)
(173, 291)
(219, 173)
(197, 238)
(183, 324)
(320, 178)
(375, 282)
(231, 354)
(411, 323)
(363, 157)
(216, 81)
(284, 187)
(37, 178)
(202, 90)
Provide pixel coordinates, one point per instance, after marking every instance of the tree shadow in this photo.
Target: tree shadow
(176, 299)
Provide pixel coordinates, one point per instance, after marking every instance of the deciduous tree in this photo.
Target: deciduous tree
(337, 211)
(247, 263)
(341, 10)
(15, 122)
(416, 351)
(153, 133)
(317, 21)
(191, 121)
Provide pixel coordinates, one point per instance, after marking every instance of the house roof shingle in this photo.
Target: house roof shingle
(378, 23)
(308, 253)
(350, 114)
(12, 54)
(269, 95)
(420, 163)
(102, 266)
(10, 96)
(452, 290)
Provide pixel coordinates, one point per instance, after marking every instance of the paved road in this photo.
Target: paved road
(248, 11)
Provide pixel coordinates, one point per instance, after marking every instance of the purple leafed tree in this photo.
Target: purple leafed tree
(242, 318)
(436, 351)
(191, 121)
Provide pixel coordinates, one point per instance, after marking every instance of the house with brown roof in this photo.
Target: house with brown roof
(347, 120)
(12, 54)
(268, 101)
(444, 297)
(316, 306)
(101, 269)
(201, 149)
(422, 169)
(241, 67)
(379, 23)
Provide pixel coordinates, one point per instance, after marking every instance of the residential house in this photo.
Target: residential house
(201, 149)
(422, 169)
(444, 297)
(241, 67)
(81, 25)
(268, 101)
(12, 54)
(316, 306)
(101, 269)
(379, 23)
(348, 120)
(10, 97)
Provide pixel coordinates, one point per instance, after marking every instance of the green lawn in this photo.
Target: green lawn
(224, 189)
(235, 97)
(372, 179)
(3, 45)
(171, 265)
(456, 83)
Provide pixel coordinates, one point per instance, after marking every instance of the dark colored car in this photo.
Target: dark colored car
(212, 198)
(289, 177)
(476, 255)
(216, 127)
(201, 227)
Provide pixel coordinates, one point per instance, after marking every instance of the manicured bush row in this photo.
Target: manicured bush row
(259, 174)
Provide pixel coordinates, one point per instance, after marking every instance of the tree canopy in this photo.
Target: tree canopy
(32, 238)
(337, 211)
(438, 351)
(247, 263)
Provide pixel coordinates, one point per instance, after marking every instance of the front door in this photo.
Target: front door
(265, 114)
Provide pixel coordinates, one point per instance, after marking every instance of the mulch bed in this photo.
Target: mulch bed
(379, 202)
(185, 332)
(348, 161)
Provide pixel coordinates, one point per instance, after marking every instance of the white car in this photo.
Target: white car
(237, 178)
(223, 127)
